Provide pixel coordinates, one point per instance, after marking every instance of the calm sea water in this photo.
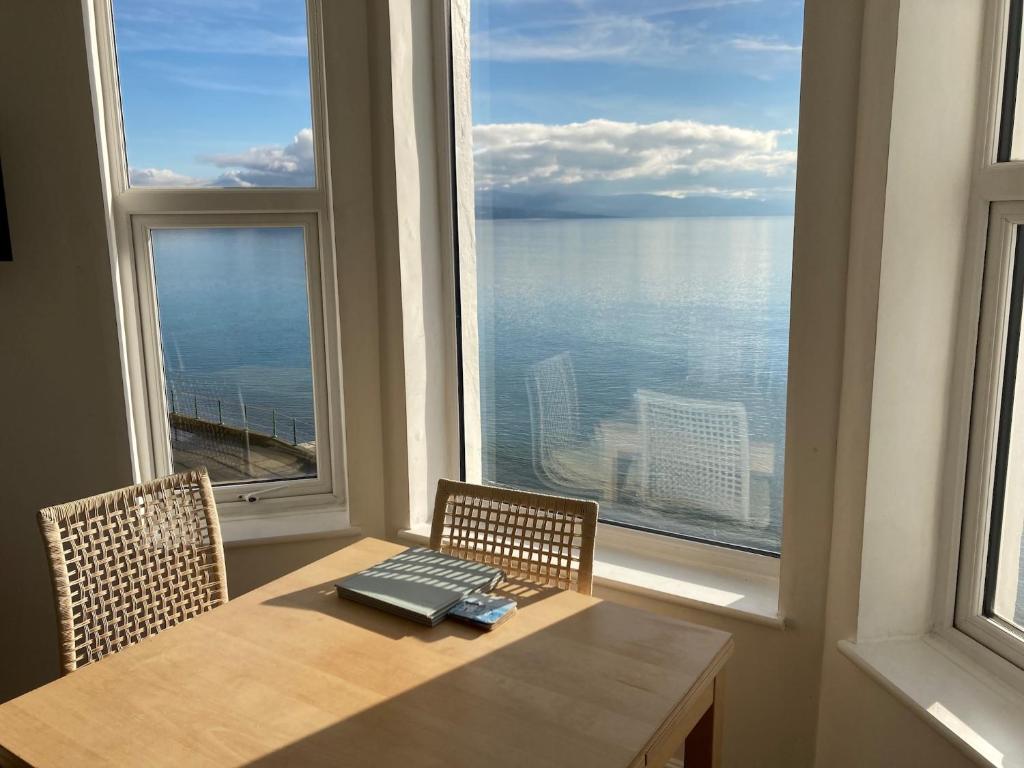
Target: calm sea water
(690, 308)
(234, 322)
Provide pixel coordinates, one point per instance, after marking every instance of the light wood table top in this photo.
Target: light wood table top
(290, 674)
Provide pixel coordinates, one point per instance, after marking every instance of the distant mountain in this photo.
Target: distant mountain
(499, 204)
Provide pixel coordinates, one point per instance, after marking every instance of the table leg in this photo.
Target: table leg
(704, 743)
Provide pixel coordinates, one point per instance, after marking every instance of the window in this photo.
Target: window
(624, 292)
(990, 593)
(215, 134)
(232, 310)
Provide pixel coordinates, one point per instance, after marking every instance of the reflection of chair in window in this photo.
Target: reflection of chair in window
(694, 454)
(562, 457)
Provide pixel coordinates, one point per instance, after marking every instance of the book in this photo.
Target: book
(419, 584)
(483, 611)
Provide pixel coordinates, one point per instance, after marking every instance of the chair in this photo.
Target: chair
(548, 540)
(694, 454)
(562, 458)
(130, 563)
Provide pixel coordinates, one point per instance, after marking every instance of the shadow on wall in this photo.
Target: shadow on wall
(65, 431)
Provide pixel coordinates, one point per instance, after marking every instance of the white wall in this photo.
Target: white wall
(915, 147)
(252, 565)
(420, 419)
(347, 102)
(927, 194)
(864, 726)
(63, 429)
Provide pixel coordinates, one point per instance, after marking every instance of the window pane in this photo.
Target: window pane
(1011, 130)
(234, 329)
(1008, 604)
(1005, 587)
(215, 94)
(634, 171)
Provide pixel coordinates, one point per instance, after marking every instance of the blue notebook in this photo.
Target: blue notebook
(419, 584)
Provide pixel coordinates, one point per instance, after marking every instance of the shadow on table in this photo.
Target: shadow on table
(323, 598)
(587, 689)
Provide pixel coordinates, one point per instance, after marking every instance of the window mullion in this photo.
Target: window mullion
(1000, 182)
(218, 201)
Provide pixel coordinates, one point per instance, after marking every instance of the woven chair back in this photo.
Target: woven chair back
(548, 540)
(130, 563)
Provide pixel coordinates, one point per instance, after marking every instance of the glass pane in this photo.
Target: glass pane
(215, 94)
(1011, 129)
(234, 328)
(1008, 604)
(634, 169)
(1005, 587)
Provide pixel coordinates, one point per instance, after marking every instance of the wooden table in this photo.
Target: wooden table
(289, 674)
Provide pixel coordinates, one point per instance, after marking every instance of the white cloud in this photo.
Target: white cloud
(604, 38)
(291, 165)
(676, 157)
(671, 157)
(161, 177)
(766, 45)
(268, 166)
(657, 34)
(739, 194)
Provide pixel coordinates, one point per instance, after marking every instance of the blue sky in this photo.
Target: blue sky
(557, 61)
(677, 97)
(215, 90)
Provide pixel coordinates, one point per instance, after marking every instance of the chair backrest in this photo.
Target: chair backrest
(554, 409)
(548, 540)
(130, 563)
(694, 454)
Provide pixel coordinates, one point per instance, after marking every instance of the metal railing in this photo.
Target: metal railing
(262, 420)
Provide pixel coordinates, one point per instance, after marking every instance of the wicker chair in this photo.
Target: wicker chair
(130, 563)
(547, 540)
(694, 454)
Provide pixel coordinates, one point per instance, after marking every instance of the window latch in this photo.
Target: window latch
(253, 496)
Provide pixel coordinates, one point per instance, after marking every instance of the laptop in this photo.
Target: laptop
(419, 584)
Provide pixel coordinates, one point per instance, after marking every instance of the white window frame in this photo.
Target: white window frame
(136, 211)
(149, 337)
(456, 172)
(1005, 218)
(996, 210)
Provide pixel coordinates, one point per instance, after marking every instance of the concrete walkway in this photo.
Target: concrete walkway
(232, 458)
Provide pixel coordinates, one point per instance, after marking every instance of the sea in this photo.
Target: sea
(694, 310)
(233, 310)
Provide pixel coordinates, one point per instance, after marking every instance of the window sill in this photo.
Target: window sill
(963, 701)
(694, 575)
(269, 527)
